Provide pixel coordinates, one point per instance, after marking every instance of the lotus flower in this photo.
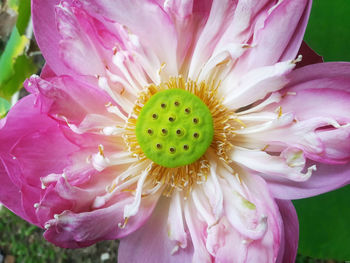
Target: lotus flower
(182, 128)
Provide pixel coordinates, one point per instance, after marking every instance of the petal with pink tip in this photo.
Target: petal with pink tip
(76, 49)
(145, 19)
(214, 27)
(280, 37)
(46, 34)
(188, 16)
(73, 230)
(318, 103)
(333, 126)
(333, 75)
(64, 97)
(327, 178)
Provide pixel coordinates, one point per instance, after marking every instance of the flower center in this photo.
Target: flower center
(174, 128)
(177, 125)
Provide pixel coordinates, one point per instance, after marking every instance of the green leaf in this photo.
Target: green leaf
(23, 68)
(15, 66)
(23, 16)
(324, 225)
(15, 47)
(4, 107)
(328, 29)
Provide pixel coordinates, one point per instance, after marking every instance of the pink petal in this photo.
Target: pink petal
(27, 140)
(331, 124)
(247, 18)
(230, 22)
(282, 166)
(197, 230)
(266, 249)
(281, 35)
(232, 247)
(326, 178)
(291, 232)
(11, 194)
(176, 226)
(68, 98)
(73, 230)
(46, 34)
(249, 227)
(255, 84)
(76, 48)
(310, 103)
(151, 244)
(214, 28)
(152, 25)
(333, 75)
(310, 89)
(185, 16)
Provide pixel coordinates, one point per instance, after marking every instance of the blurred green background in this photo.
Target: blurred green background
(324, 220)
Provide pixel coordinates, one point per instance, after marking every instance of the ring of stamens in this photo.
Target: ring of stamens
(224, 124)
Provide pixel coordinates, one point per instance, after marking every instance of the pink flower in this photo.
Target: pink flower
(113, 141)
